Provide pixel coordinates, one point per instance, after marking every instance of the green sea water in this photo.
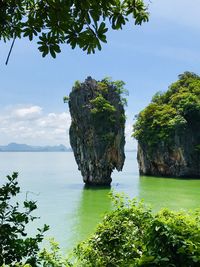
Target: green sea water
(73, 210)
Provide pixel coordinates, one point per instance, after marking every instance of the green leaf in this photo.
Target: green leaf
(52, 51)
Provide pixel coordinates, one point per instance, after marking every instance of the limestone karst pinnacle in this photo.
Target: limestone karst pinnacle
(97, 130)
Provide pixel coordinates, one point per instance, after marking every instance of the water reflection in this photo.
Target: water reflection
(168, 192)
(93, 204)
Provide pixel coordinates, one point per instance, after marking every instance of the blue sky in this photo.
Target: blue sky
(148, 58)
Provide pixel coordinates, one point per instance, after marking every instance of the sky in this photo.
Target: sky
(147, 58)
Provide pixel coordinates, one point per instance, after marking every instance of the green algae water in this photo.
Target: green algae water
(73, 210)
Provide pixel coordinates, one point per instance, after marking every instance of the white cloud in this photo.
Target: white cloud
(30, 125)
(31, 112)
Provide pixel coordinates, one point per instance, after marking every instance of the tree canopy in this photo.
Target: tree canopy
(176, 109)
(75, 22)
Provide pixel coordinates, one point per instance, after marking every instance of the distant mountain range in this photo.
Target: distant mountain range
(14, 147)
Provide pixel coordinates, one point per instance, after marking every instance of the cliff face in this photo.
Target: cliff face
(179, 159)
(97, 130)
(168, 131)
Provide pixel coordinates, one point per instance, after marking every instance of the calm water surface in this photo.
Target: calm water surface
(73, 211)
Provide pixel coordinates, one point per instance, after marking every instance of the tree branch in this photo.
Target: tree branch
(10, 50)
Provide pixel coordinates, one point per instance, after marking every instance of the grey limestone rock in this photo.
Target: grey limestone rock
(97, 130)
(181, 158)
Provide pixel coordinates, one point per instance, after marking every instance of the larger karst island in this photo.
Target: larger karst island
(97, 129)
(168, 131)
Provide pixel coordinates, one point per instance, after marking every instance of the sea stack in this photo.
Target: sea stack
(168, 131)
(97, 129)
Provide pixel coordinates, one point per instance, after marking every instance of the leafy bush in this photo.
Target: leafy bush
(15, 247)
(173, 239)
(53, 257)
(131, 235)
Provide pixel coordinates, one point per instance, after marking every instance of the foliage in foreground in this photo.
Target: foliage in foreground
(131, 235)
(15, 247)
(54, 257)
(77, 23)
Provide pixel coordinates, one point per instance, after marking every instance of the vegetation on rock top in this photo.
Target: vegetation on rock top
(101, 105)
(170, 112)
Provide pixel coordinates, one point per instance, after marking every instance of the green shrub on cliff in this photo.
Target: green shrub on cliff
(118, 86)
(102, 108)
(171, 111)
(101, 105)
(131, 235)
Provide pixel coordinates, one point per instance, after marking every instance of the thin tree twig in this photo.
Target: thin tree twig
(10, 50)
